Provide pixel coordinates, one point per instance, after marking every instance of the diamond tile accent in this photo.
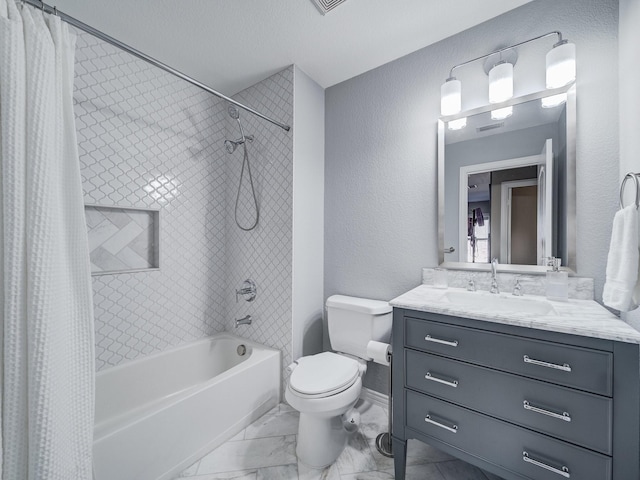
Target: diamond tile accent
(150, 140)
(122, 239)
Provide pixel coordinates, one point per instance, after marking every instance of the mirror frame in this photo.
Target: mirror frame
(570, 225)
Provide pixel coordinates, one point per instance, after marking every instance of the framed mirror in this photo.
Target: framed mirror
(506, 184)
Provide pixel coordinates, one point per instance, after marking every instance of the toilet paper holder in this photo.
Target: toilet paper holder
(383, 440)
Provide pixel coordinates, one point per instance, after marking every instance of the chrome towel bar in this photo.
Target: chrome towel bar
(630, 176)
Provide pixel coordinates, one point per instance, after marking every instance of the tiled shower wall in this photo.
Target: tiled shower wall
(150, 140)
(265, 253)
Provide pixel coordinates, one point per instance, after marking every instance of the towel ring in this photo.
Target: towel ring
(628, 176)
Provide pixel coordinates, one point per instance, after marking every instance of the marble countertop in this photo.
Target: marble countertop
(576, 317)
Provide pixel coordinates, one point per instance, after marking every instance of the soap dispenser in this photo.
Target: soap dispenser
(557, 281)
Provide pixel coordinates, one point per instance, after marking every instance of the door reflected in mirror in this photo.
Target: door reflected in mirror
(507, 186)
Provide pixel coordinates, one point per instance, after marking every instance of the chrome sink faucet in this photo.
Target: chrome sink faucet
(494, 282)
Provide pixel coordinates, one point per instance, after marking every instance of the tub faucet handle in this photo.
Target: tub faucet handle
(248, 291)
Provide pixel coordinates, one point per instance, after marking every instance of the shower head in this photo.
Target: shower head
(231, 145)
(233, 112)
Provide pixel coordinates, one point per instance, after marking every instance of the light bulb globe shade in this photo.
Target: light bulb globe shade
(561, 65)
(501, 113)
(451, 97)
(501, 82)
(457, 124)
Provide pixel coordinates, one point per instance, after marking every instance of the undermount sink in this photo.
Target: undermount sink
(499, 303)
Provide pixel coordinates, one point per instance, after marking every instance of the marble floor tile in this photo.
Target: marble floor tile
(191, 470)
(418, 453)
(421, 472)
(459, 470)
(373, 419)
(308, 473)
(266, 451)
(356, 456)
(281, 472)
(244, 475)
(375, 475)
(285, 407)
(273, 424)
(238, 436)
(247, 454)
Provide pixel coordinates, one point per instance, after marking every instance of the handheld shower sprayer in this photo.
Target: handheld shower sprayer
(230, 146)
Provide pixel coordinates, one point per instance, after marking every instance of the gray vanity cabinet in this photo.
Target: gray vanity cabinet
(518, 402)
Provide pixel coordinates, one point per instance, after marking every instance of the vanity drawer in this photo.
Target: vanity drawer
(532, 455)
(503, 395)
(575, 367)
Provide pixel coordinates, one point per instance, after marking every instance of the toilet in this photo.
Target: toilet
(326, 386)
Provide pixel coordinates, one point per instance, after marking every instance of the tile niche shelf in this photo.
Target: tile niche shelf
(123, 239)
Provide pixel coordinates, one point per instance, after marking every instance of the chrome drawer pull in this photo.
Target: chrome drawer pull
(453, 384)
(452, 429)
(565, 368)
(429, 338)
(563, 416)
(563, 472)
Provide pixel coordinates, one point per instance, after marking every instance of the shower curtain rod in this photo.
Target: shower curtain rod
(103, 36)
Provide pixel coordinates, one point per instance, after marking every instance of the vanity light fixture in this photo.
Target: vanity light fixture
(561, 71)
(457, 124)
(501, 113)
(501, 82)
(451, 97)
(554, 100)
(561, 64)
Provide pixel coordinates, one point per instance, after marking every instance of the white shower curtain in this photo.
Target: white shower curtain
(47, 382)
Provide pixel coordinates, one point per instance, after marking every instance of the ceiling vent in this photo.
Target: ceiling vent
(484, 128)
(325, 6)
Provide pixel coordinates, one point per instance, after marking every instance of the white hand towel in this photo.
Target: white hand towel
(623, 260)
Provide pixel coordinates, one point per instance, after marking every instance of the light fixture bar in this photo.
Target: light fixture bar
(559, 34)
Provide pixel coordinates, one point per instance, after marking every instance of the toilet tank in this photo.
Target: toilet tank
(353, 322)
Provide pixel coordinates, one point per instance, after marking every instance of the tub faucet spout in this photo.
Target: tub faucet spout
(243, 321)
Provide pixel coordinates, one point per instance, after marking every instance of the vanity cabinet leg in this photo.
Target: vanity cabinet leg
(399, 458)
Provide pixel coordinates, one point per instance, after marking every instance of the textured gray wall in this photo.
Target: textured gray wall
(630, 102)
(380, 171)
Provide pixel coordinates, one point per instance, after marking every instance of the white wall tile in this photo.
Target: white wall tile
(150, 140)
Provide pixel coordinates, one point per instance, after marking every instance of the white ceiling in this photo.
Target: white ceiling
(232, 44)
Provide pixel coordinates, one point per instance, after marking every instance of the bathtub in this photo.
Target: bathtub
(157, 415)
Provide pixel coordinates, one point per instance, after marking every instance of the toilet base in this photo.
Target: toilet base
(320, 440)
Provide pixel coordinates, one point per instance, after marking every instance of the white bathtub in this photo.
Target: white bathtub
(157, 415)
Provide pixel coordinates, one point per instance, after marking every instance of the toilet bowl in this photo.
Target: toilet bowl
(325, 387)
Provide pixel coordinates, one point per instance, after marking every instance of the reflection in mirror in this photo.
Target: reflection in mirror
(508, 186)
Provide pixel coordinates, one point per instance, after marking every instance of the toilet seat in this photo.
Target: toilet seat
(323, 375)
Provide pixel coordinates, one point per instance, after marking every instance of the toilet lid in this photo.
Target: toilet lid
(323, 373)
